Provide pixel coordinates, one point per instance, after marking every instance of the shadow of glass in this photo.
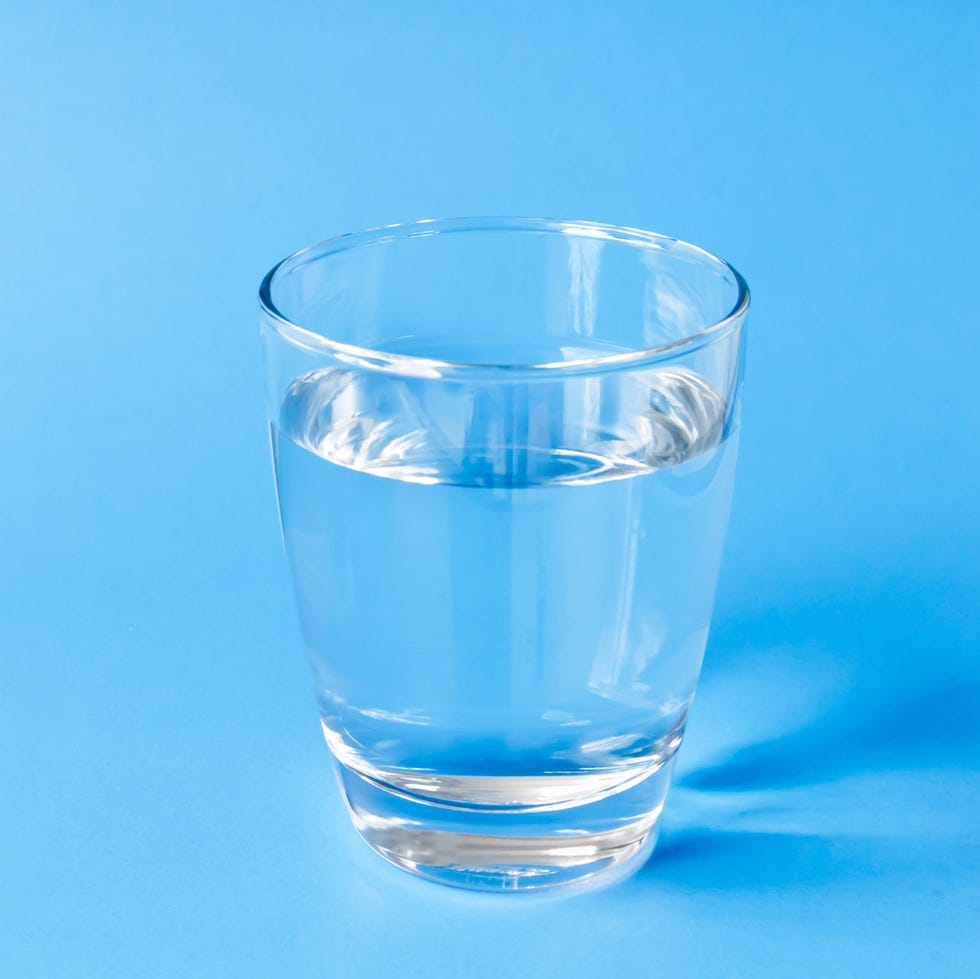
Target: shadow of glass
(909, 703)
(936, 723)
(908, 672)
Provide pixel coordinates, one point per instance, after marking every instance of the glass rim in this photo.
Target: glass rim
(416, 366)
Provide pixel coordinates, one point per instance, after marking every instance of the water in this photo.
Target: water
(505, 591)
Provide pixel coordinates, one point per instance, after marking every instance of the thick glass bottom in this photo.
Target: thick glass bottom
(602, 838)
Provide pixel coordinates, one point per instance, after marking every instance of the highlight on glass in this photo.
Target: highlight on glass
(504, 452)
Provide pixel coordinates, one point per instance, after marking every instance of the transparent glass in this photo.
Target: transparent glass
(504, 452)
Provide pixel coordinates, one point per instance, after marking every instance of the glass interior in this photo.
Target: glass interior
(504, 292)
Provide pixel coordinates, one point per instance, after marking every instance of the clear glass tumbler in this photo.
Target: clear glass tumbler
(504, 452)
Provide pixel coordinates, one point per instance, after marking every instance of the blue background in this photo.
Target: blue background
(167, 807)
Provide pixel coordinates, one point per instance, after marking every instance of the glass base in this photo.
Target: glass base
(599, 840)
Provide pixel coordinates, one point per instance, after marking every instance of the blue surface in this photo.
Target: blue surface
(167, 808)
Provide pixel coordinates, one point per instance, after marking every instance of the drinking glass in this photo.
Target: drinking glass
(504, 451)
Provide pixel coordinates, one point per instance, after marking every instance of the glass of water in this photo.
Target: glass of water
(504, 452)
